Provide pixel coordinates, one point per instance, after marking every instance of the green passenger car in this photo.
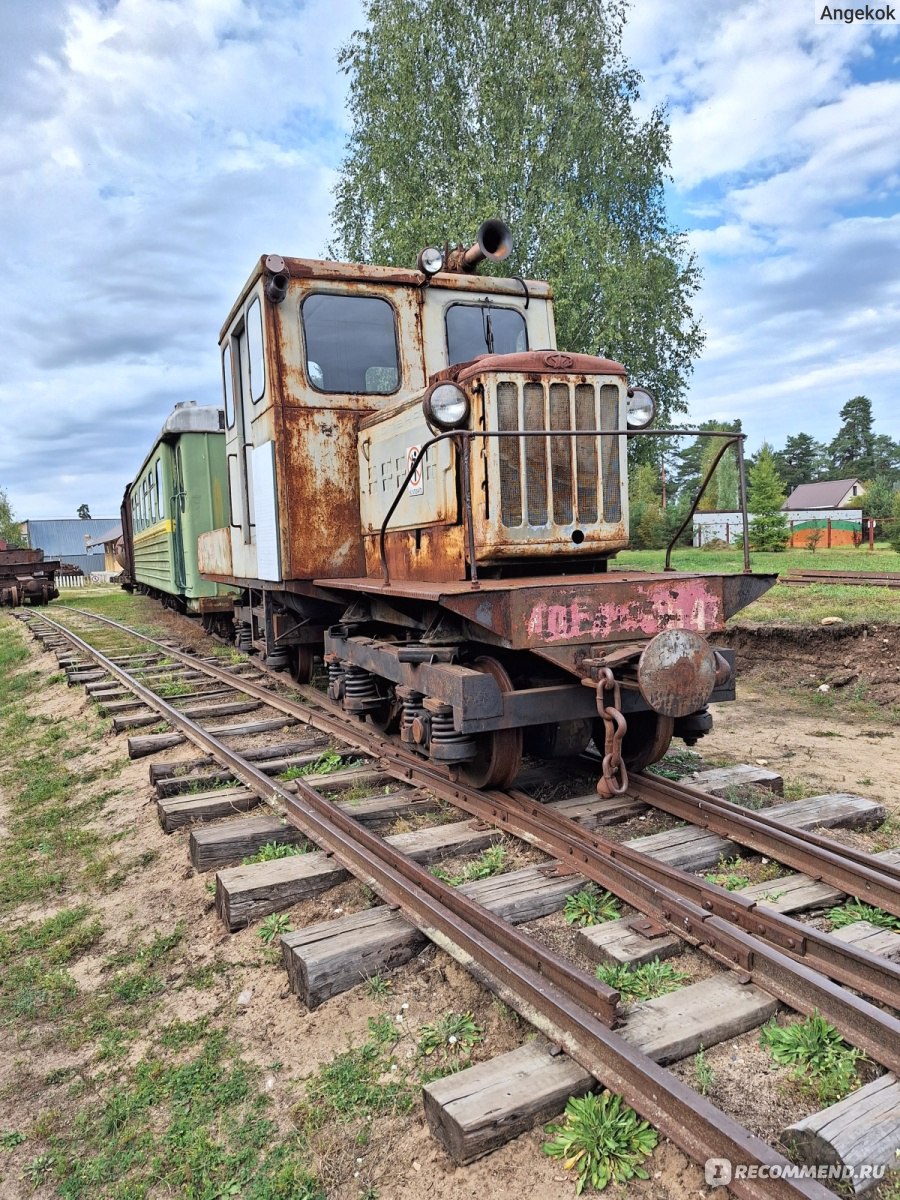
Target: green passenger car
(180, 492)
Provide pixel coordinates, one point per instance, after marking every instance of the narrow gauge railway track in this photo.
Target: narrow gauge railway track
(802, 578)
(790, 960)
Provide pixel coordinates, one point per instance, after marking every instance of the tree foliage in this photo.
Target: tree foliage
(851, 450)
(878, 500)
(894, 529)
(525, 111)
(10, 527)
(803, 460)
(84, 512)
(768, 529)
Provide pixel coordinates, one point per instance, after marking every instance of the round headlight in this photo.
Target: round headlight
(640, 408)
(446, 405)
(431, 260)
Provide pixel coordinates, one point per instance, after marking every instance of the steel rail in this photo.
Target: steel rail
(757, 940)
(852, 871)
(424, 899)
(626, 871)
(698, 1127)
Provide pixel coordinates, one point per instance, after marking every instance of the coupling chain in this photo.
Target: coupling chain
(614, 780)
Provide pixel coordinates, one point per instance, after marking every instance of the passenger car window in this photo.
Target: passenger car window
(474, 329)
(351, 344)
(255, 349)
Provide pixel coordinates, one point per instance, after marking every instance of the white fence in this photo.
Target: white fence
(71, 581)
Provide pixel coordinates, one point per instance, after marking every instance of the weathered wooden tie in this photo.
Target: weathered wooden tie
(693, 849)
(244, 894)
(329, 957)
(477, 1110)
(154, 743)
(120, 724)
(860, 1132)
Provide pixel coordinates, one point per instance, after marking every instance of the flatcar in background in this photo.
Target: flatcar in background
(179, 493)
(423, 489)
(26, 577)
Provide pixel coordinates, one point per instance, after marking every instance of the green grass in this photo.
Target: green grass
(731, 560)
(275, 850)
(195, 1127)
(645, 982)
(490, 862)
(155, 1106)
(856, 910)
(358, 1084)
(453, 1034)
(823, 1064)
(590, 907)
(602, 1140)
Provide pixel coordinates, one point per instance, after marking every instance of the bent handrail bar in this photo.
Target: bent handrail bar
(463, 438)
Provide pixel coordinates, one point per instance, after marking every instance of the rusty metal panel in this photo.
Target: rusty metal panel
(436, 554)
(595, 609)
(387, 448)
(318, 494)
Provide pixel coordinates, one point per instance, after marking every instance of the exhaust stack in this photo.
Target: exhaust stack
(494, 242)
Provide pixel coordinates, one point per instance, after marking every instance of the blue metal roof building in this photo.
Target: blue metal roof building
(67, 539)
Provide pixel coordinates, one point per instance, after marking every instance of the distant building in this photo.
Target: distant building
(70, 540)
(836, 526)
(832, 493)
(109, 540)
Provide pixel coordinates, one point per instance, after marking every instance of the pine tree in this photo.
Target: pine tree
(768, 528)
(803, 460)
(852, 449)
(524, 110)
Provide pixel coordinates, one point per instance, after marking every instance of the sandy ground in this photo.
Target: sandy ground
(401, 1160)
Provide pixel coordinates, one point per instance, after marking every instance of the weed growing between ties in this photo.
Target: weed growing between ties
(645, 982)
(490, 862)
(602, 1140)
(855, 910)
(117, 1099)
(823, 1064)
(590, 907)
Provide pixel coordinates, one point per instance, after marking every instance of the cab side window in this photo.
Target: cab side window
(351, 344)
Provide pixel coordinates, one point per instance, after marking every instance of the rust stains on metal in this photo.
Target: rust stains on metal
(430, 554)
(677, 672)
(318, 493)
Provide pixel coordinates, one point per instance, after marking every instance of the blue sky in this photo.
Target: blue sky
(151, 149)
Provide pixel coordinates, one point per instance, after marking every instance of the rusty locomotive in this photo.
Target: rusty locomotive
(26, 577)
(425, 491)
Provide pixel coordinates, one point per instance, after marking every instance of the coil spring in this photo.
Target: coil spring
(412, 708)
(359, 684)
(442, 726)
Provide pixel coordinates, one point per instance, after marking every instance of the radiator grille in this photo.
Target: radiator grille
(558, 480)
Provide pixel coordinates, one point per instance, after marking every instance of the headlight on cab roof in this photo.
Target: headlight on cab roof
(640, 408)
(446, 406)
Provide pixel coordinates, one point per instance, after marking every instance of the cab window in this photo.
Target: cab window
(256, 364)
(228, 385)
(474, 329)
(351, 344)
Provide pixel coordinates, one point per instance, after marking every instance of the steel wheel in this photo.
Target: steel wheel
(645, 742)
(499, 754)
(301, 665)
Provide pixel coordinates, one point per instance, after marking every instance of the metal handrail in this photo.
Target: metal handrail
(464, 437)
